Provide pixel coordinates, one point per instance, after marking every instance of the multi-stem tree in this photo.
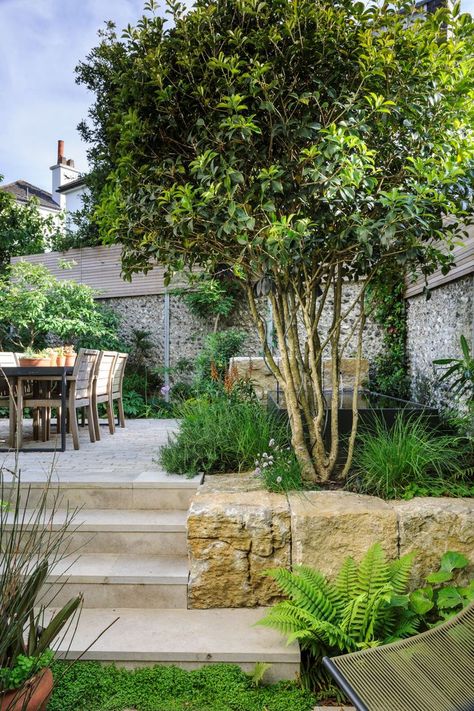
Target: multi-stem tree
(300, 143)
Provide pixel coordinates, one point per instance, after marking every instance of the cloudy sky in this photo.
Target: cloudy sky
(41, 42)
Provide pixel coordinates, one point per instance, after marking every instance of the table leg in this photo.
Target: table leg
(11, 412)
(63, 411)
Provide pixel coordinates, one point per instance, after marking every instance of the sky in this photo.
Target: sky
(41, 41)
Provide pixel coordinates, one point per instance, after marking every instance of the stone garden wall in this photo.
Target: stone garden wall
(434, 330)
(187, 332)
(236, 530)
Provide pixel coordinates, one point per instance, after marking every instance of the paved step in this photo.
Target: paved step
(142, 532)
(108, 580)
(186, 638)
(152, 489)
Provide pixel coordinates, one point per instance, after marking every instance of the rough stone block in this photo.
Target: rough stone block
(329, 526)
(432, 526)
(236, 531)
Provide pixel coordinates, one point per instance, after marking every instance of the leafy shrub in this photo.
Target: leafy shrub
(220, 435)
(278, 468)
(212, 363)
(444, 596)
(367, 605)
(89, 686)
(391, 462)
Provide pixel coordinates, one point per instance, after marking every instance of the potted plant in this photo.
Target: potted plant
(70, 355)
(52, 355)
(34, 358)
(28, 556)
(60, 357)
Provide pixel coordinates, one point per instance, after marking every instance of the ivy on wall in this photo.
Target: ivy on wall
(386, 304)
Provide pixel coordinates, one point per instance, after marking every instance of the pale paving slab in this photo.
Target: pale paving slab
(120, 521)
(176, 636)
(127, 456)
(114, 568)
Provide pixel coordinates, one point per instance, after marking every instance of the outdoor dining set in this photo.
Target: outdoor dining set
(95, 379)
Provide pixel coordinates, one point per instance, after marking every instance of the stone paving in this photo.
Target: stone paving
(126, 456)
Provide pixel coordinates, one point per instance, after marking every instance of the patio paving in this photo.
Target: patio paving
(127, 456)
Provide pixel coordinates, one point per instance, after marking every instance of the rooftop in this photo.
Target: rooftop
(23, 191)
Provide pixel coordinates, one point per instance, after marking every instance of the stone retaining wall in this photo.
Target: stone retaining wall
(236, 530)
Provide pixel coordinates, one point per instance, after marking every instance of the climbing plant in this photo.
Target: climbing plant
(386, 303)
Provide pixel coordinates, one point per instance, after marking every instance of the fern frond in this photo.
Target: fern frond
(307, 589)
(407, 627)
(346, 581)
(399, 573)
(373, 570)
(317, 580)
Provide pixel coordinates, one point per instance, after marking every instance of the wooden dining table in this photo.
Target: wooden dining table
(17, 377)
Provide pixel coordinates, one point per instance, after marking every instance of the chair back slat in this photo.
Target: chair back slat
(84, 369)
(104, 371)
(8, 359)
(119, 371)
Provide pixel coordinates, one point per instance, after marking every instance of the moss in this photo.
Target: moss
(89, 686)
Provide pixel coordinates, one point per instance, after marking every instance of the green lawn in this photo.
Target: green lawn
(88, 686)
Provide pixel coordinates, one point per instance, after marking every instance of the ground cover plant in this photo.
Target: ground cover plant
(367, 605)
(411, 458)
(88, 686)
(298, 182)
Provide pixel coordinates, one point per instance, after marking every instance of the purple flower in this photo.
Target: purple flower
(165, 390)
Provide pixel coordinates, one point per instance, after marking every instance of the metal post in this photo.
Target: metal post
(166, 344)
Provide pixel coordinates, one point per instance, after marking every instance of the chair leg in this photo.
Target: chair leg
(95, 416)
(12, 421)
(73, 426)
(110, 416)
(36, 423)
(121, 412)
(90, 422)
(19, 417)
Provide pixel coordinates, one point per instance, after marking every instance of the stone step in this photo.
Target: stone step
(133, 581)
(152, 489)
(186, 638)
(116, 531)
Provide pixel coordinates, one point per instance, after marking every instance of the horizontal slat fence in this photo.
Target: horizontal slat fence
(464, 265)
(100, 268)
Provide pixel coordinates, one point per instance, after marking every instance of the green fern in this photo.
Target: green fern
(364, 607)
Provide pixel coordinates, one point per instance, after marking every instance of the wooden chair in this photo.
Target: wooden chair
(7, 398)
(102, 389)
(80, 395)
(432, 671)
(117, 384)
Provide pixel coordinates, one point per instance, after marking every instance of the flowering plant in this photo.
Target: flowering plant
(278, 468)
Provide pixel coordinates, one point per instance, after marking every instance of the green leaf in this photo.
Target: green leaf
(419, 603)
(448, 598)
(453, 561)
(441, 576)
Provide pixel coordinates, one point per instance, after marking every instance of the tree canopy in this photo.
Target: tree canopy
(302, 145)
(23, 229)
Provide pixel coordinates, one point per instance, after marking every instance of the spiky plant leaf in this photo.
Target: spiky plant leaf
(399, 573)
(346, 581)
(373, 570)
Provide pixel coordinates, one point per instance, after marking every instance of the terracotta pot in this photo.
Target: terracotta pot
(70, 360)
(61, 361)
(29, 362)
(33, 695)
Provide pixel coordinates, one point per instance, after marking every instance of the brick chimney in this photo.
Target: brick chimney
(62, 172)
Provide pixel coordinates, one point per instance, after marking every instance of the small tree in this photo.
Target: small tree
(302, 145)
(23, 229)
(35, 305)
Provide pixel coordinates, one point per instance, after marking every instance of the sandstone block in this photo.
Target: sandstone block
(432, 526)
(329, 526)
(236, 531)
